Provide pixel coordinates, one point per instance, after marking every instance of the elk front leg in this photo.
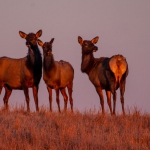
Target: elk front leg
(8, 92)
(57, 99)
(35, 95)
(100, 93)
(50, 97)
(26, 93)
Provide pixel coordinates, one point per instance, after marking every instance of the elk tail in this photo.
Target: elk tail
(118, 66)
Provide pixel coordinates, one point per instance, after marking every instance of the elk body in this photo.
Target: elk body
(22, 73)
(57, 75)
(105, 73)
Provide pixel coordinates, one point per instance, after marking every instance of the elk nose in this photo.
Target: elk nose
(27, 43)
(95, 49)
(33, 42)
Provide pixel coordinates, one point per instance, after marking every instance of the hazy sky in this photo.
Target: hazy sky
(123, 28)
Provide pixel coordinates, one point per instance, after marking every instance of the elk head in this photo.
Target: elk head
(47, 47)
(88, 47)
(31, 38)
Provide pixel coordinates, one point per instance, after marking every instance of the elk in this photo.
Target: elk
(57, 75)
(105, 73)
(22, 73)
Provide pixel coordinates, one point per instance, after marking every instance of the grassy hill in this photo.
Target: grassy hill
(20, 130)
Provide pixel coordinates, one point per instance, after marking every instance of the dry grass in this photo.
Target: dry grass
(20, 130)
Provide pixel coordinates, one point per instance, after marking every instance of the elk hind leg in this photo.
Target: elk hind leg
(108, 94)
(113, 91)
(63, 92)
(122, 90)
(114, 102)
(70, 86)
(1, 88)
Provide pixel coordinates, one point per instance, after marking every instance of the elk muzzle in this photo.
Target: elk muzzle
(95, 49)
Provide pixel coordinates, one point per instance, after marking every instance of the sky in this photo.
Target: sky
(123, 28)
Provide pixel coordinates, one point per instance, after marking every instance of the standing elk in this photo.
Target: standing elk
(104, 73)
(57, 75)
(22, 73)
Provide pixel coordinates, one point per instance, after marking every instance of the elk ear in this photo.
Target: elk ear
(40, 42)
(52, 40)
(39, 33)
(80, 40)
(95, 40)
(22, 34)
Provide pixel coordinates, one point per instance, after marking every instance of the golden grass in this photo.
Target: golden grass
(20, 130)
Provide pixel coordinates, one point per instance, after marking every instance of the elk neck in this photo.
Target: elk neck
(87, 63)
(48, 62)
(34, 62)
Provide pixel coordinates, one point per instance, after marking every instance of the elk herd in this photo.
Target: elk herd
(24, 73)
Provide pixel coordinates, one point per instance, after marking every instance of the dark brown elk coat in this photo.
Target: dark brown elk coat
(22, 73)
(104, 73)
(57, 75)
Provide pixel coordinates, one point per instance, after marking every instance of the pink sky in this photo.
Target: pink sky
(123, 28)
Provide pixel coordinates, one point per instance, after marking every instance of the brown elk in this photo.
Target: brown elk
(22, 73)
(104, 73)
(57, 75)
